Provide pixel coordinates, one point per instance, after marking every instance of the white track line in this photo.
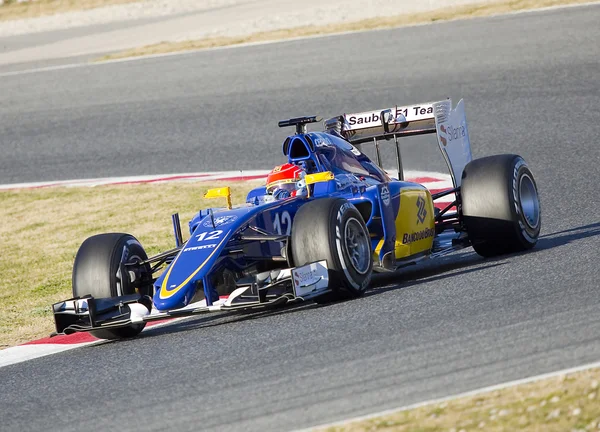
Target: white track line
(442, 180)
(456, 396)
(198, 176)
(249, 44)
(21, 353)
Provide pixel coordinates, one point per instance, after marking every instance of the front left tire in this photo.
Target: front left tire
(98, 271)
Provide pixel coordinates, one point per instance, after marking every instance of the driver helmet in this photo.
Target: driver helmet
(286, 181)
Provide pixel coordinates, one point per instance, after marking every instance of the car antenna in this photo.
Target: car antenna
(212, 217)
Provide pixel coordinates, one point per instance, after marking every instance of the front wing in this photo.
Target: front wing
(268, 290)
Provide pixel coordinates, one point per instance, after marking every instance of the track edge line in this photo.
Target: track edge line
(475, 392)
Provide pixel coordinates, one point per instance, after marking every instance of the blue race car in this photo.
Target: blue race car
(325, 221)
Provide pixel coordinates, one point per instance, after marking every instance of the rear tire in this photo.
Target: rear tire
(96, 272)
(500, 205)
(332, 229)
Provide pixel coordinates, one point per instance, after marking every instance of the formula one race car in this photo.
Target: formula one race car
(325, 221)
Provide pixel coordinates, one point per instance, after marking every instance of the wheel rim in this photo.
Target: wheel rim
(357, 246)
(530, 203)
(120, 284)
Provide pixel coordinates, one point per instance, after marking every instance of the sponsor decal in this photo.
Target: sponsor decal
(195, 248)
(343, 209)
(306, 276)
(456, 133)
(357, 119)
(443, 139)
(219, 220)
(517, 203)
(345, 206)
(452, 133)
(385, 195)
(416, 112)
(422, 212)
(321, 141)
(310, 278)
(416, 236)
(515, 188)
(419, 110)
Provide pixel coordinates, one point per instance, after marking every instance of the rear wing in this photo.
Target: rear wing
(449, 125)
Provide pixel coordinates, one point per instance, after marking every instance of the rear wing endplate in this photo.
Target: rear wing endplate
(449, 125)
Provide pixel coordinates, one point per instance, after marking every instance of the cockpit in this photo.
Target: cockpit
(319, 152)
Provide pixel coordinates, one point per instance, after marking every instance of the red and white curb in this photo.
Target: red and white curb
(57, 344)
(434, 181)
(160, 178)
(427, 178)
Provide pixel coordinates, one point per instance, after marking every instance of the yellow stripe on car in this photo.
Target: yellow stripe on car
(165, 292)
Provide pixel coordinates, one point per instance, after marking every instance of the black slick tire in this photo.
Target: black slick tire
(332, 229)
(96, 272)
(500, 205)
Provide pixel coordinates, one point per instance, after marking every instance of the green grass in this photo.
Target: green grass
(42, 230)
(559, 404)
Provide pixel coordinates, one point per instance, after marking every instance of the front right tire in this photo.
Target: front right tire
(332, 229)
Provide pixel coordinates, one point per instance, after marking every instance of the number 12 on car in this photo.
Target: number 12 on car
(282, 223)
(212, 235)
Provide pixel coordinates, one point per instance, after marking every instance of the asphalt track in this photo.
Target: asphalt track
(530, 82)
